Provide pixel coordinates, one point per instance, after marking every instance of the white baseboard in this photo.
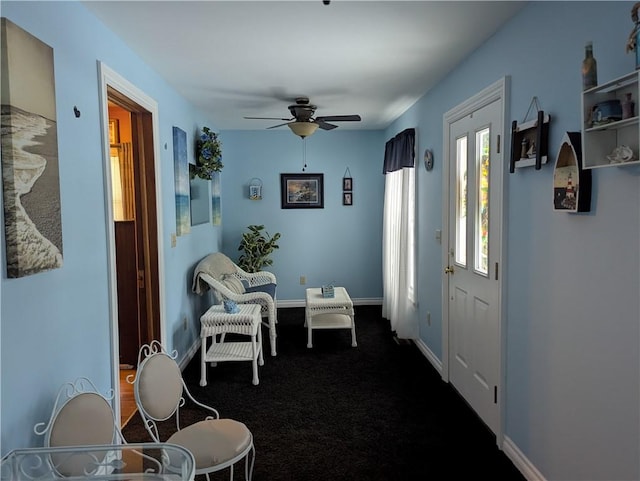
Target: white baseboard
(428, 353)
(193, 350)
(520, 461)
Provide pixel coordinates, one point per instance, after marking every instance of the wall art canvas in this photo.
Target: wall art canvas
(181, 181)
(216, 209)
(29, 143)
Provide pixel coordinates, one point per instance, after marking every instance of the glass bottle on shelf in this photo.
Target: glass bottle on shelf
(589, 68)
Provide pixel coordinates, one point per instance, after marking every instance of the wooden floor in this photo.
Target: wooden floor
(127, 400)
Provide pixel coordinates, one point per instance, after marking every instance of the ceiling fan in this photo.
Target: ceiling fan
(303, 123)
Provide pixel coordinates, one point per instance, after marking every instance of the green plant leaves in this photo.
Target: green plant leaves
(257, 247)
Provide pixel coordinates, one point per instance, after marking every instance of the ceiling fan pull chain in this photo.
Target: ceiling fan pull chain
(304, 155)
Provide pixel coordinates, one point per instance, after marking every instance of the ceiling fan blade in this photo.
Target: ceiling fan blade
(279, 125)
(340, 118)
(267, 118)
(324, 125)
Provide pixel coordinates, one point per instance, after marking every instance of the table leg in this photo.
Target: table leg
(261, 357)
(203, 364)
(353, 331)
(309, 333)
(254, 362)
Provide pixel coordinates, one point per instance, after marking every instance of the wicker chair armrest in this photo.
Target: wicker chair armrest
(223, 292)
(255, 278)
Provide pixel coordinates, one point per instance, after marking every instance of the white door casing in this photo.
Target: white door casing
(109, 78)
(472, 254)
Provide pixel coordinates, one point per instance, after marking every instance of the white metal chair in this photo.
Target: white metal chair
(81, 416)
(229, 281)
(159, 389)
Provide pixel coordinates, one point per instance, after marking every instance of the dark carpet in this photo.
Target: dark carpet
(379, 411)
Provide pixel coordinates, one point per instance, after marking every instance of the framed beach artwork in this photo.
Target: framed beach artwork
(29, 143)
(302, 191)
(181, 182)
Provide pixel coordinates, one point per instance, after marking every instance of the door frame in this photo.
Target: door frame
(498, 91)
(110, 78)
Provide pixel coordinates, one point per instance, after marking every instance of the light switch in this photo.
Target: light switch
(439, 236)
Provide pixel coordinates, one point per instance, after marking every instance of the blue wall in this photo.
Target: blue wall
(55, 325)
(572, 313)
(572, 316)
(338, 244)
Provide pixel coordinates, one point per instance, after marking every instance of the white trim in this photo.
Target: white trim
(428, 353)
(108, 77)
(190, 354)
(520, 461)
(499, 90)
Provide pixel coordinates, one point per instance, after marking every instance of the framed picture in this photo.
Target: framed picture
(347, 198)
(347, 184)
(302, 191)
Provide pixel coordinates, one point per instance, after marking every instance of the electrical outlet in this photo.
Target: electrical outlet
(185, 323)
(428, 318)
(303, 280)
(174, 240)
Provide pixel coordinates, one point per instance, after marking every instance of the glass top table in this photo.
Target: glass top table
(141, 461)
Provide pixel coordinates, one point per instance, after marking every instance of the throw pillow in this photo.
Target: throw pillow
(268, 288)
(233, 284)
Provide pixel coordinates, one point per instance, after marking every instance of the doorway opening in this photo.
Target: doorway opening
(133, 228)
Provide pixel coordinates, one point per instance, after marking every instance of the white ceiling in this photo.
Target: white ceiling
(253, 58)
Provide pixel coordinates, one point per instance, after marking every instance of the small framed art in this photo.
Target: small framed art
(347, 198)
(347, 184)
(302, 191)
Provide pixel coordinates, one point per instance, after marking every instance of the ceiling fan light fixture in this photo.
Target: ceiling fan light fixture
(303, 129)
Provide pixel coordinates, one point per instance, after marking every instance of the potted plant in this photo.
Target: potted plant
(208, 155)
(256, 248)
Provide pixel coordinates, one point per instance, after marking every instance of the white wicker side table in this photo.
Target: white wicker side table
(216, 322)
(329, 312)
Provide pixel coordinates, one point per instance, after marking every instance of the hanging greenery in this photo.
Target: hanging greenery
(208, 155)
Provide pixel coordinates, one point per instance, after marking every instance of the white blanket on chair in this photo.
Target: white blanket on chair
(217, 265)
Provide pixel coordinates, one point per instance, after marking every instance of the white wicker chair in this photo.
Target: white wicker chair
(228, 281)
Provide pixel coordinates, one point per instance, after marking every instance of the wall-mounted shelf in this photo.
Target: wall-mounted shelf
(530, 142)
(571, 183)
(600, 139)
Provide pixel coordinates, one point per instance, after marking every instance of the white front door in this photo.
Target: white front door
(473, 252)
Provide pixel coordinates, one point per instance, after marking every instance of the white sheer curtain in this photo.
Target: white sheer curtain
(398, 243)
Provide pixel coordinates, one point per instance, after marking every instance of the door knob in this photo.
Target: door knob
(448, 270)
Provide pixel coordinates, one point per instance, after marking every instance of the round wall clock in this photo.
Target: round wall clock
(428, 159)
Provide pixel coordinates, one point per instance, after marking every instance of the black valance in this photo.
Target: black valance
(399, 152)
